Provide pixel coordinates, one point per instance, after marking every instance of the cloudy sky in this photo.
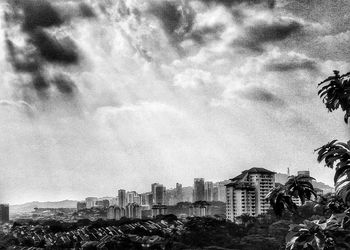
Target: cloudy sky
(102, 95)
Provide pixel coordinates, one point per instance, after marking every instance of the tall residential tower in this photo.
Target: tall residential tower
(245, 194)
(198, 189)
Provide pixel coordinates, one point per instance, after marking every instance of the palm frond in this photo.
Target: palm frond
(300, 187)
(337, 154)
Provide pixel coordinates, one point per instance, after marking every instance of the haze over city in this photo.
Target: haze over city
(204, 90)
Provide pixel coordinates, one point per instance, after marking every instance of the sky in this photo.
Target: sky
(99, 95)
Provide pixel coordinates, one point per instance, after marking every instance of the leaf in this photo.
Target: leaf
(340, 172)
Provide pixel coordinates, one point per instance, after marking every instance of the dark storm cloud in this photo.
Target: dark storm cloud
(86, 11)
(64, 84)
(38, 13)
(291, 65)
(206, 34)
(269, 3)
(257, 35)
(262, 95)
(40, 83)
(169, 14)
(36, 17)
(273, 32)
(173, 17)
(22, 60)
(56, 51)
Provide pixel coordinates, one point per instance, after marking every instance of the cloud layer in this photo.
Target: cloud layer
(101, 95)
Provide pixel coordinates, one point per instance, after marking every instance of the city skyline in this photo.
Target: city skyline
(131, 95)
(117, 194)
(149, 190)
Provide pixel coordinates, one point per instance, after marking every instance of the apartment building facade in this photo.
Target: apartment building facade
(245, 194)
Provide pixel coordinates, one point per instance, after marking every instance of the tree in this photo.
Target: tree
(332, 230)
(335, 92)
(280, 197)
(337, 154)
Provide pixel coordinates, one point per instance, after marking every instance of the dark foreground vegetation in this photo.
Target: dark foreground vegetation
(330, 230)
(164, 232)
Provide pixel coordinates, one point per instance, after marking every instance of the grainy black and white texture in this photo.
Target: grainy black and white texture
(99, 94)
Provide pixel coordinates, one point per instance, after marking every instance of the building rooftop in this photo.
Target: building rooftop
(252, 171)
(259, 171)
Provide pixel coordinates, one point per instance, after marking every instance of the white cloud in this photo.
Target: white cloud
(149, 108)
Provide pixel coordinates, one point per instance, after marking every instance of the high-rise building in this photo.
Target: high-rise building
(159, 194)
(153, 191)
(208, 191)
(137, 199)
(222, 191)
(149, 199)
(122, 198)
(245, 194)
(215, 192)
(170, 197)
(179, 196)
(90, 202)
(198, 189)
(4, 213)
(187, 194)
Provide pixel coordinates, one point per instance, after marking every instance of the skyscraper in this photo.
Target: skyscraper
(222, 191)
(178, 196)
(245, 194)
(4, 213)
(198, 189)
(208, 191)
(122, 198)
(159, 194)
(153, 191)
(149, 199)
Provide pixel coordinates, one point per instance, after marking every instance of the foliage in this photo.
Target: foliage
(280, 197)
(201, 232)
(335, 92)
(337, 154)
(332, 230)
(204, 232)
(300, 187)
(333, 233)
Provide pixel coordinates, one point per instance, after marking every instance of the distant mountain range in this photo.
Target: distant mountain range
(282, 178)
(29, 206)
